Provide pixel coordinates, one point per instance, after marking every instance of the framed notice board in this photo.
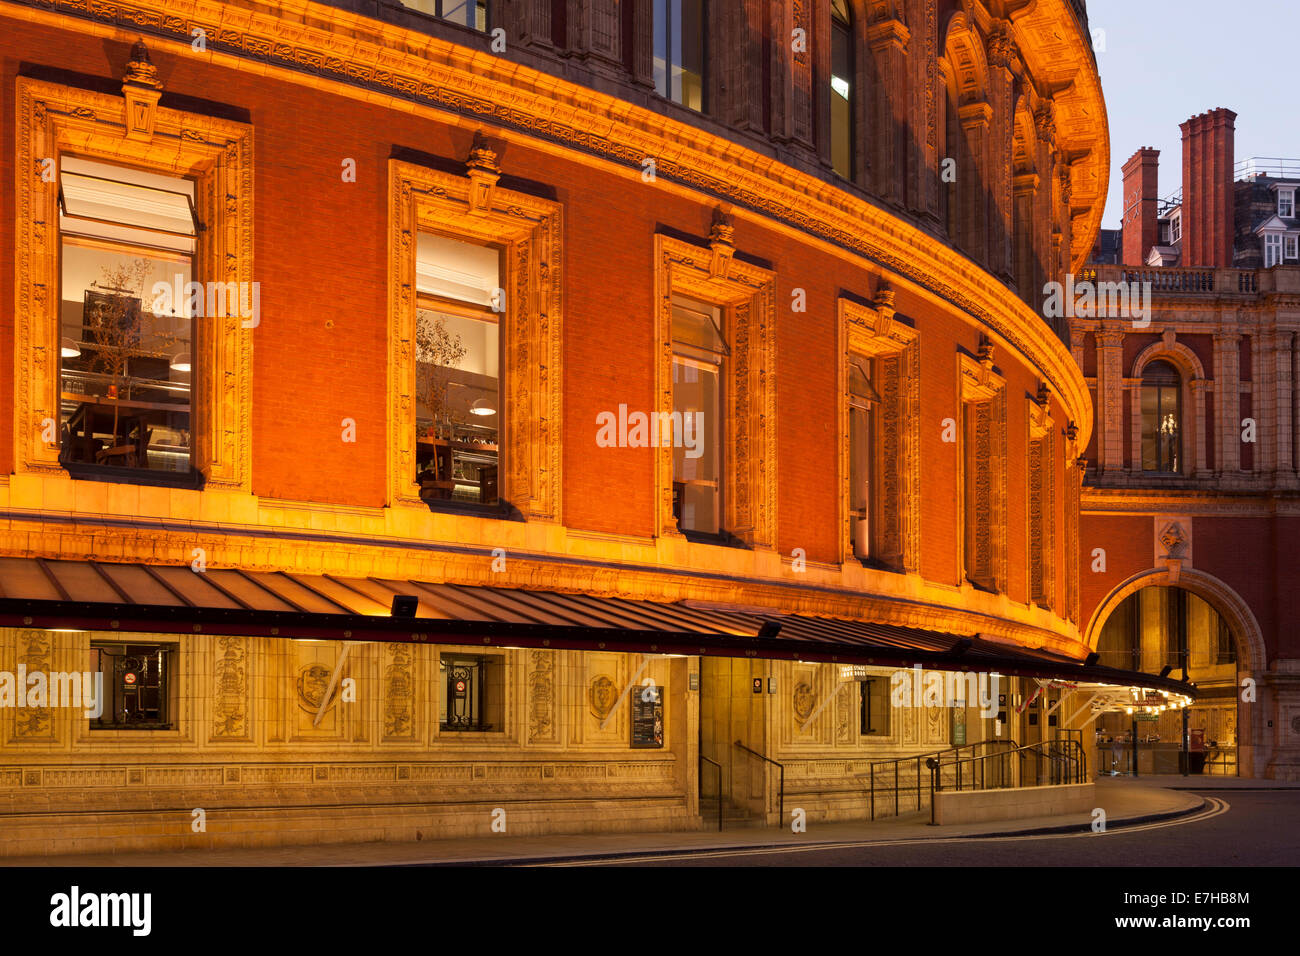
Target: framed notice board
(648, 717)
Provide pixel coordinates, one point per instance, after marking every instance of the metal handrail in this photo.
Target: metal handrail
(1073, 755)
(703, 761)
(781, 767)
(917, 758)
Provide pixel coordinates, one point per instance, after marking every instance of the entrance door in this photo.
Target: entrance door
(731, 710)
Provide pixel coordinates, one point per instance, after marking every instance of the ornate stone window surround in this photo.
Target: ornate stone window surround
(745, 293)
(133, 130)
(530, 231)
(874, 333)
(982, 395)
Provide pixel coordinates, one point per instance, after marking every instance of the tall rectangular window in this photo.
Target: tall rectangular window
(458, 362)
(126, 349)
(1286, 203)
(699, 356)
(864, 404)
(679, 51)
(1290, 246)
(841, 89)
(1272, 249)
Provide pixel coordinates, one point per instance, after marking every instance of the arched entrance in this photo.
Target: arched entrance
(1185, 618)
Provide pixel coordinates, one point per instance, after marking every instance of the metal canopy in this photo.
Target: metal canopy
(139, 598)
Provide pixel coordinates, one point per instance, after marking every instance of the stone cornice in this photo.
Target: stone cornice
(352, 55)
(957, 611)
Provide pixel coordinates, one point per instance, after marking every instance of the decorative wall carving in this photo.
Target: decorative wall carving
(230, 689)
(541, 696)
(602, 695)
(35, 649)
(745, 294)
(399, 692)
(531, 232)
(218, 154)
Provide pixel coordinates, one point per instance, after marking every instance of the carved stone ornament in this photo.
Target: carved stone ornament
(803, 700)
(722, 240)
(142, 90)
(1174, 540)
(602, 695)
(313, 681)
(484, 174)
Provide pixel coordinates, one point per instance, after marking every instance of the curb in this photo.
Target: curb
(756, 847)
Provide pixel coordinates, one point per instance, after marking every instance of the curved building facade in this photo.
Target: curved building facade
(541, 314)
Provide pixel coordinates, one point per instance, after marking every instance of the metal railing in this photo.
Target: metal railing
(780, 820)
(1065, 759)
(717, 766)
(914, 763)
(1272, 166)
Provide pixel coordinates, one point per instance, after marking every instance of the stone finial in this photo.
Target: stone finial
(1043, 395)
(484, 173)
(986, 352)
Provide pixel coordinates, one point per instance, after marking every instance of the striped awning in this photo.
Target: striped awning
(142, 598)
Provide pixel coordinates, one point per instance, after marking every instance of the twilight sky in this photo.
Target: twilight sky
(1167, 60)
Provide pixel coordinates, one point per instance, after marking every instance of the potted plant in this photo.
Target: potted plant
(438, 352)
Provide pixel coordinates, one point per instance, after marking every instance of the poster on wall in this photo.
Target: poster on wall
(648, 717)
(958, 727)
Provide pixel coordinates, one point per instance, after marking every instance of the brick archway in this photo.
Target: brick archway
(1252, 658)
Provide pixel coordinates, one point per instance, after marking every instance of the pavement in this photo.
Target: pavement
(1126, 800)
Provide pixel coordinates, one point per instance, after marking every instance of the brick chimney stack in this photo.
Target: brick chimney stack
(1141, 192)
(1208, 159)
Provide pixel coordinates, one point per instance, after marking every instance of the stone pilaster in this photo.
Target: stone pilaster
(1197, 427)
(997, 162)
(1227, 417)
(1262, 408)
(1110, 384)
(973, 189)
(1284, 462)
(889, 42)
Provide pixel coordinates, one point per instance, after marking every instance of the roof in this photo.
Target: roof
(169, 599)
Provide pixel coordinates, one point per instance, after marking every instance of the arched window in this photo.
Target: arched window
(679, 51)
(1162, 418)
(841, 88)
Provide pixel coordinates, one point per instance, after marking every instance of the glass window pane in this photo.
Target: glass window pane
(841, 101)
(458, 406)
(126, 360)
(697, 455)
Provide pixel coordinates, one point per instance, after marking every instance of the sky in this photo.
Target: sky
(1163, 61)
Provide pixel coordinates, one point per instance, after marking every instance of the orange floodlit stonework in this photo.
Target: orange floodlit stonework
(893, 436)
